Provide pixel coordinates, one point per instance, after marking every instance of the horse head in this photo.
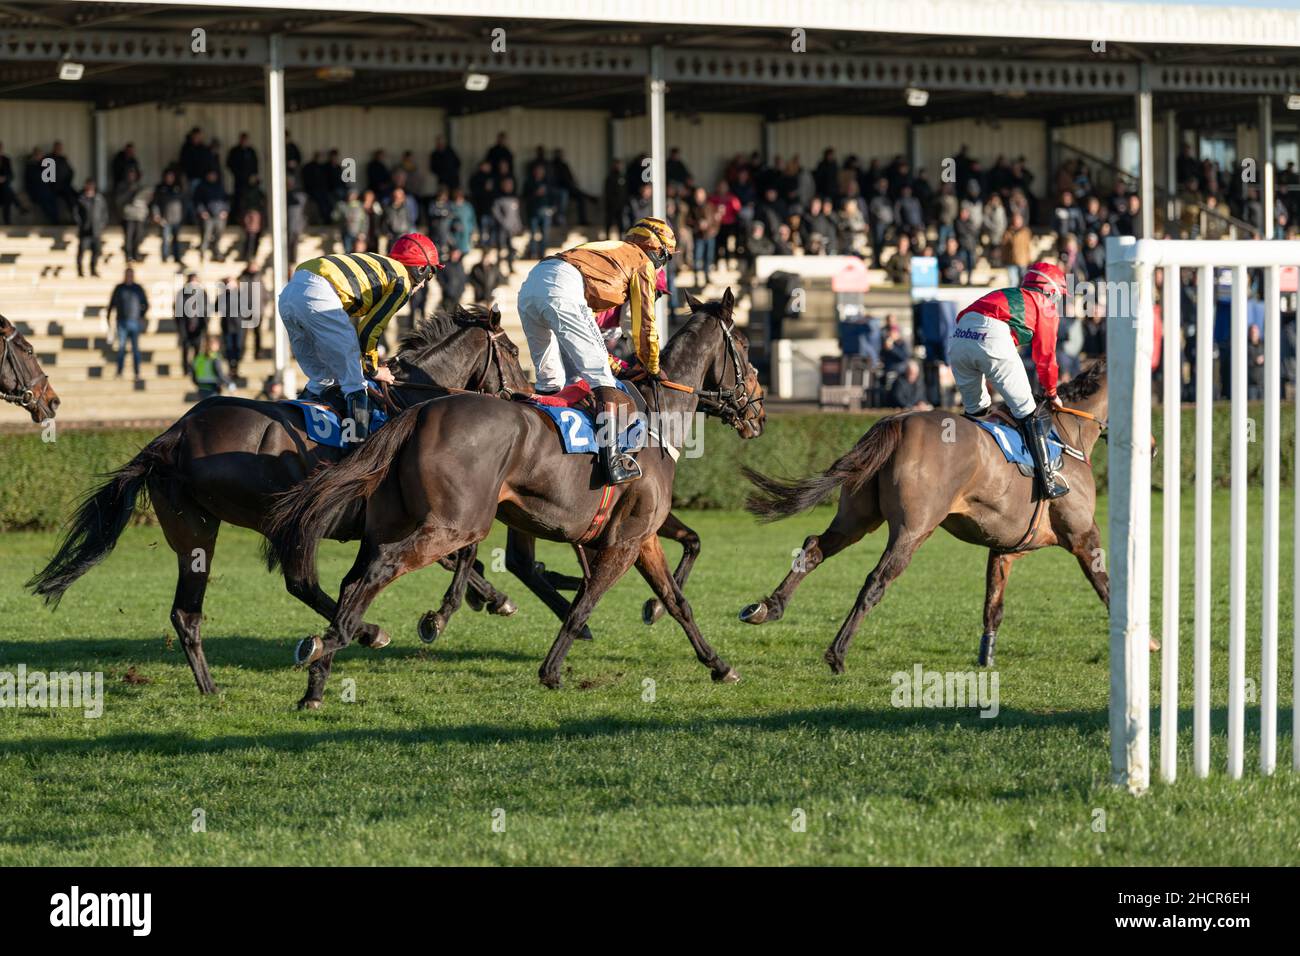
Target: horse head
(730, 389)
(22, 381)
(461, 348)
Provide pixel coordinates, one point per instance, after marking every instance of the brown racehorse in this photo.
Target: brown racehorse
(435, 478)
(22, 381)
(227, 457)
(920, 471)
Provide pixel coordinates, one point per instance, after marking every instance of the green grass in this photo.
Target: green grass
(440, 737)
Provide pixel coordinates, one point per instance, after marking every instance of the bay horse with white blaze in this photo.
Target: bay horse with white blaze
(436, 477)
(920, 471)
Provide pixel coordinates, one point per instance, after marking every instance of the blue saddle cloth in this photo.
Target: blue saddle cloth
(1012, 443)
(578, 434)
(323, 426)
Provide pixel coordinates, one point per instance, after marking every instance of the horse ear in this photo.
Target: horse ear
(494, 317)
(728, 302)
(694, 303)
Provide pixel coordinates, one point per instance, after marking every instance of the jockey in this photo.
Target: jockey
(556, 304)
(984, 345)
(335, 309)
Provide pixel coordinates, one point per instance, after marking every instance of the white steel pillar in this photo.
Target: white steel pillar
(1173, 374)
(1237, 535)
(1266, 196)
(1204, 533)
(1129, 340)
(99, 141)
(279, 207)
(655, 88)
(1146, 157)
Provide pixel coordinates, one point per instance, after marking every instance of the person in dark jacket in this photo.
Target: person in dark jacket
(193, 308)
(212, 206)
(8, 195)
(168, 211)
(233, 324)
(615, 196)
(242, 163)
(451, 279)
(63, 180)
(36, 184)
(130, 306)
(91, 212)
(133, 207)
(908, 391)
(445, 164)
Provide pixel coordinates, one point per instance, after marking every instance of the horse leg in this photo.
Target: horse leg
(481, 593)
(898, 554)
(377, 565)
(653, 566)
(192, 534)
(1086, 549)
(311, 594)
(815, 550)
(674, 529)
(995, 587)
(607, 566)
(521, 554)
(433, 623)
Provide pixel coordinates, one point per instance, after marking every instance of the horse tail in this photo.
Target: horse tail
(300, 517)
(93, 531)
(778, 498)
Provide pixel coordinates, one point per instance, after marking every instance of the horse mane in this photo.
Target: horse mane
(1086, 384)
(436, 328)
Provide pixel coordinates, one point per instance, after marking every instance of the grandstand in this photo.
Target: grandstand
(1125, 87)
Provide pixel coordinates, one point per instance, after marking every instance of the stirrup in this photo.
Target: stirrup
(619, 467)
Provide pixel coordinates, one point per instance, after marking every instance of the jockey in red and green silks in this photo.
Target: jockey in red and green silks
(984, 346)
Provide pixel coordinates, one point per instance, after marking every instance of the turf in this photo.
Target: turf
(455, 754)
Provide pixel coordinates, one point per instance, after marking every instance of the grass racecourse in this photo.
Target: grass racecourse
(454, 754)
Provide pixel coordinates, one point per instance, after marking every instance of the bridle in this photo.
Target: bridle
(479, 383)
(25, 395)
(730, 404)
(1086, 416)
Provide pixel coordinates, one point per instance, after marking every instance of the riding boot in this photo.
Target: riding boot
(359, 414)
(1035, 427)
(619, 467)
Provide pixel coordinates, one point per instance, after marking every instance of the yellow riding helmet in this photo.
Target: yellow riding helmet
(654, 235)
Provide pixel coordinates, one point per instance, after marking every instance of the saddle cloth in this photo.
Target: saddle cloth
(323, 425)
(577, 432)
(1012, 444)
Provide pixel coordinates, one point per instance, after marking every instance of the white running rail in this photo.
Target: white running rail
(1130, 269)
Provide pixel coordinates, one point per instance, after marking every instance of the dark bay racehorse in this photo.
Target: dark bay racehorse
(920, 471)
(22, 380)
(435, 478)
(227, 458)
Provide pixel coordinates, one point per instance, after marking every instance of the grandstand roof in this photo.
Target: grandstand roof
(1251, 51)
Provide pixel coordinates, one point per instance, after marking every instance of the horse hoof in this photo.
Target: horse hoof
(652, 611)
(836, 663)
(549, 680)
(506, 608)
(309, 651)
(308, 703)
(430, 627)
(586, 634)
(754, 614)
(380, 640)
(730, 676)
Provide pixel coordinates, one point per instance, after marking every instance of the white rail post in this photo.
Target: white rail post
(1204, 533)
(1129, 341)
(1272, 498)
(1237, 537)
(1171, 312)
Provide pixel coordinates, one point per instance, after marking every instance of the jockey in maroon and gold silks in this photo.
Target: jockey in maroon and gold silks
(1031, 313)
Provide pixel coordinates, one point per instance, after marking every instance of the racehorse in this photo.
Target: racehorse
(22, 380)
(436, 477)
(919, 471)
(227, 457)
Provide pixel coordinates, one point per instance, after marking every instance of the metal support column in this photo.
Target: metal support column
(1146, 151)
(1266, 195)
(655, 87)
(279, 206)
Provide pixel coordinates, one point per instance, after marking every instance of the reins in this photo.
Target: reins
(25, 395)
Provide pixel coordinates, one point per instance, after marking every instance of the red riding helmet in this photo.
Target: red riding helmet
(418, 252)
(1045, 277)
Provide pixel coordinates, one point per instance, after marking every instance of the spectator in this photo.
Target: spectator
(451, 278)
(368, 238)
(8, 195)
(952, 264)
(485, 278)
(728, 206)
(675, 169)
(463, 221)
(540, 204)
(445, 164)
(482, 191)
(704, 220)
(379, 178)
(1069, 218)
(91, 216)
(124, 162)
(193, 308)
(209, 371)
(37, 185)
(133, 207)
(899, 266)
(567, 188)
(168, 211)
(638, 206)
(758, 243)
(252, 303)
(212, 205)
(232, 313)
(881, 213)
(826, 177)
(316, 182)
(272, 390)
(1017, 248)
(292, 154)
(500, 154)
(1094, 258)
(1254, 364)
(1130, 222)
(818, 231)
(295, 222)
(242, 163)
(945, 211)
(908, 391)
(63, 180)
(615, 191)
(894, 350)
(352, 218)
(409, 177)
(130, 306)
(440, 218)
(506, 222)
(253, 219)
(194, 158)
(397, 217)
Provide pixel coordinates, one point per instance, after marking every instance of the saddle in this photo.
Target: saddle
(1005, 432)
(574, 410)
